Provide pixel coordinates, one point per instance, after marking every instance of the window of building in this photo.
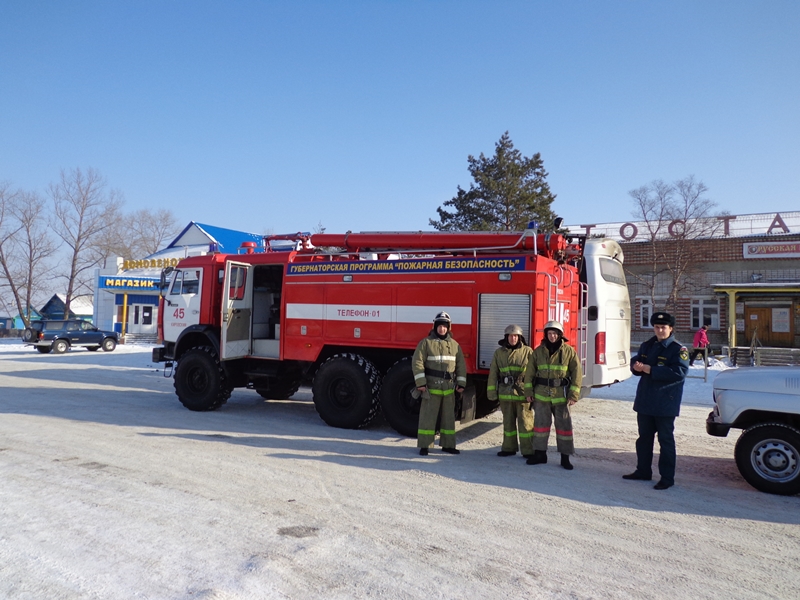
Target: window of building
(705, 312)
(645, 312)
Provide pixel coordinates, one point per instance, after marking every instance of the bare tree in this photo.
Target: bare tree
(136, 235)
(25, 249)
(9, 229)
(150, 229)
(673, 215)
(84, 208)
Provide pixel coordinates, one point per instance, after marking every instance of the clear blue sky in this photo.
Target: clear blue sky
(278, 116)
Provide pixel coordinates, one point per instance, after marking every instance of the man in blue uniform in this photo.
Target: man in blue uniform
(661, 365)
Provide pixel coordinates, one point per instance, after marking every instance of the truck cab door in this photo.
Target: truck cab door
(182, 302)
(237, 310)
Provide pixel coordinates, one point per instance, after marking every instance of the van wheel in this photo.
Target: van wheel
(399, 407)
(43, 349)
(109, 344)
(60, 346)
(200, 381)
(346, 389)
(768, 457)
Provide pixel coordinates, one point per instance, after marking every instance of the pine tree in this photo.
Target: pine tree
(508, 192)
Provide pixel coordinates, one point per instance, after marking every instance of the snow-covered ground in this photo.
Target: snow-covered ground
(109, 488)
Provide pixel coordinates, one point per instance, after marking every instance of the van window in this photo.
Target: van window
(612, 271)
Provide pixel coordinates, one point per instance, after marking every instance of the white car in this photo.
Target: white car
(765, 403)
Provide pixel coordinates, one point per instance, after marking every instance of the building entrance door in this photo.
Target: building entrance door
(772, 325)
(141, 319)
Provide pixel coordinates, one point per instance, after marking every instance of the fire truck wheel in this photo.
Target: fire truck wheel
(200, 381)
(346, 390)
(280, 389)
(400, 408)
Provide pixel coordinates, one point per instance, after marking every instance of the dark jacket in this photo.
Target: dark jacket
(659, 393)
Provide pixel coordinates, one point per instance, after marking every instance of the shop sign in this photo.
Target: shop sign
(771, 250)
(128, 284)
(149, 263)
(713, 227)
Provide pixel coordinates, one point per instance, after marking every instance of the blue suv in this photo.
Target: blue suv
(60, 336)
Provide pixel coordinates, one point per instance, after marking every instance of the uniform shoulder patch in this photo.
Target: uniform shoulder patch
(684, 353)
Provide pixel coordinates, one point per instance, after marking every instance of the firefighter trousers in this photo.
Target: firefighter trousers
(543, 415)
(517, 423)
(436, 403)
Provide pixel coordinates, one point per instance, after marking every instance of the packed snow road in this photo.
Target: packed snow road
(111, 489)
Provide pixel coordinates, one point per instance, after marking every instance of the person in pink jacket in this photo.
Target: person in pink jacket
(699, 344)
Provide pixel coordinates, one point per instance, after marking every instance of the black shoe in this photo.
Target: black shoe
(451, 450)
(527, 456)
(638, 476)
(662, 485)
(423, 452)
(565, 462)
(539, 458)
(505, 453)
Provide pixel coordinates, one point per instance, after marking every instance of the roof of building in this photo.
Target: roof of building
(80, 306)
(227, 240)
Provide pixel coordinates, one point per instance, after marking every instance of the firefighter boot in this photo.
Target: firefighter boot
(539, 458)
(565, 462)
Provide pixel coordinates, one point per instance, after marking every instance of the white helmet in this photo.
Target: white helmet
(554, 325)
(513, 330)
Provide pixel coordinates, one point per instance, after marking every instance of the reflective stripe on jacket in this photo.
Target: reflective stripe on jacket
(563, 363)
(441, 355)
(511, 363)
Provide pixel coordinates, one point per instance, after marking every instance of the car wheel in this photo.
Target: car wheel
(43, 349)
(768, 457)
(93, 348)
(109, 344)
(28, 334)
(60, 346)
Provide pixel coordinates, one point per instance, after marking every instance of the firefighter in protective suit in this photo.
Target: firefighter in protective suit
(553, 384)
(439, 372)
(506, 376)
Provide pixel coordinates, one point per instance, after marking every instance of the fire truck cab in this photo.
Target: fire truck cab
(345, 313)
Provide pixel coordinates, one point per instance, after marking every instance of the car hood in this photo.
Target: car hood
(777, 380)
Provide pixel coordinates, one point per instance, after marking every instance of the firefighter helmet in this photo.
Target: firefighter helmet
(554, 325)
(513, 330)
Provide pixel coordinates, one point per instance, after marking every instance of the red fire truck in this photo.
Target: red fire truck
(344, 312)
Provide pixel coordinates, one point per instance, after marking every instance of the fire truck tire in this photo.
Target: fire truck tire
(399, 407)
(200, 381)
(280, 389)
(346, 389)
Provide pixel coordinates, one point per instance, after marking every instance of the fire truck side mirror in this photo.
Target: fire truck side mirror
(162, 286)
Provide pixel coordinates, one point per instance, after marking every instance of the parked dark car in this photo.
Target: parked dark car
(61, 335)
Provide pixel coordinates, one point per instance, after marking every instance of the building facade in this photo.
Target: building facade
(741, 277)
